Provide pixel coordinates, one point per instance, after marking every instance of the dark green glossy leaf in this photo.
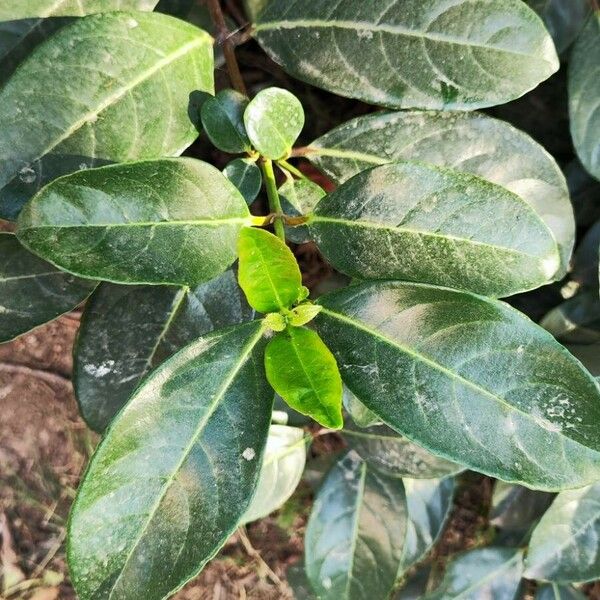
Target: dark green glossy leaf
(360, 414)
(281, 471)
(274, 119)
(404, 54)
(551, 591)
(417, 222)
(170, 221)
(32, 291)
(268, 271)
(175, 473)
(468, 142)
(132, 104)
(584, 90)
(245, 175)
(223, 121)
(396, 456)
(128, 330)
(304, 373)
(356, 533)
(585, 193)
(585, 267)
(299, 197)
(485, 573)
(563, 18)
(468, 378)
(575, 321)
(564, 545)
(27, 9)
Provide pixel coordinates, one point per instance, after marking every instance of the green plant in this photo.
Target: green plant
(438, 211)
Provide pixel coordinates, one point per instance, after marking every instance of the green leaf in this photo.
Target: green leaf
(396, 456)
(281, 471)
(245, 175)
(564, 19)
(484, 573)
(417, 222)
(27, 9)
(128, 330)
(479, 383)
(564, 545)
(304, 373)
(356, 532)
(254, 7)
(575, 321)
(33, 292)
(223, 121)
(404, 54)
(274, 119)
(468, 142)
(268, 272)
(584, 90)
(119, 91)
(584, 190)
(303, 314)
(551, 591)
(175, 473)
(169, 221)
(585, 264)
(299, 197)
(360, 414)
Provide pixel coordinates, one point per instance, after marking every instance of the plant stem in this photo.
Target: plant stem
(266, 166)
(284, 164)
(595, 5)
(302, 151)
(224, 38)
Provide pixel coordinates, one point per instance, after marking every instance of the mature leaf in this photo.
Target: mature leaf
(468, 378)
(551, 591)
(128, 330)
(584, 90)
(116, 86)
(585, 191)
(396, 456)
(585, 264)
(575, 321)
(469, 142)
(281, 471)
(223, 121)
(429, 502)
(564, 545)
(170, 221)
(360, 414)
(27, 9)
(406, 54)
(274, 119)
(254, 7)
(246, 176)
(299, 197)
(268, 272)
(33, 292)
(484, 573)
(564, 19)
(304, 373)
(356, 532)
(417, 222)
(175, 473)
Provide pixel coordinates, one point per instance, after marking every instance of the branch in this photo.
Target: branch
(47, 376)
(224, 38)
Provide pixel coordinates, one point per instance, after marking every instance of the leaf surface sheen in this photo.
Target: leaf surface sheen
(28, 9)
(246, 176)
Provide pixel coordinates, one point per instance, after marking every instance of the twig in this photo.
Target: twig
(225, 39)
(236, 13)
(47, 376)
(595, 5)
(51, 554)
(302, 151)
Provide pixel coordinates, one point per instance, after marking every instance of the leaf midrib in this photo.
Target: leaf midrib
(199, 222)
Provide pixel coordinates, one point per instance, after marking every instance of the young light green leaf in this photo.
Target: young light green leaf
(170, 221)
(32, 291)
(128, 330)
(303, 314)
(480, 383)
(406, 54)
(304, 373)
(299, 197)
(484, 573)
(356, 532)
(551, 591)
(274, 119)
(280, 473)
(245, 175)
(584, 90)
(175, 473)
(223, 121)
(12, 10)
(417, 222)
(268, 271)
(468, 142)
(396, 456)
(575, 321)
(144, 64)
(564, 19)
(564, 545)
